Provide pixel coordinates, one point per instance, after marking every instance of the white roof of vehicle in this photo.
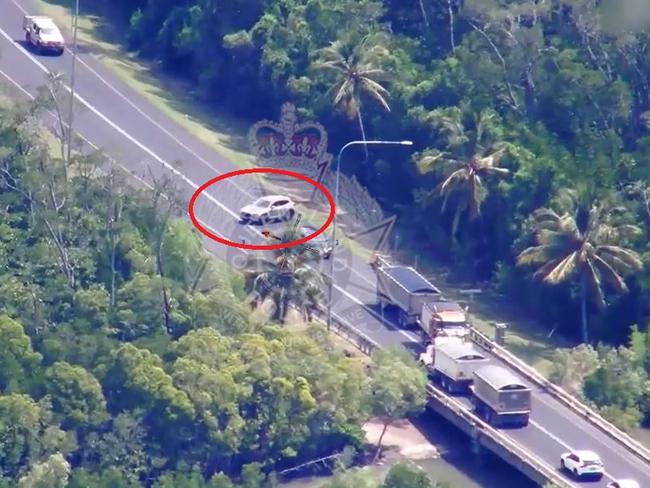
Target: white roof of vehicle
(42, 21)
(459, 349)
(587, 455)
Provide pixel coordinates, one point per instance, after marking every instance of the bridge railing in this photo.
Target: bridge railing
(560, 394)
(366, 345)
(513, 448)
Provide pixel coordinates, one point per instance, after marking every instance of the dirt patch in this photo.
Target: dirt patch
(402, 439)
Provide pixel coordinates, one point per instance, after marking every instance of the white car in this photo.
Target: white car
(43, 34)
(627, 483)
(583, 463)
(267, 209)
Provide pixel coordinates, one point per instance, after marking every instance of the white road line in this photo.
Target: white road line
(119, 129)
(166, 164)
(562, 443)
(542, 397)
(96, 148)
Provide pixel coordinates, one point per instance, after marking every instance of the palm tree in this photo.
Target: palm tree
(358, 74)
(590, 252)
(476, 158)
(287, 278)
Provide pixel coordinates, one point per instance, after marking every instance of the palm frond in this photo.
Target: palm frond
(534, 255)
(546, 268)
(620, 258)
(427, 163)
(609, 274)
(545, 214)
(372, 90)
(628, 231)
(343, 91)
(453, 179)
(491, 159)
(371, 72)
(563, 270)
(594, 287)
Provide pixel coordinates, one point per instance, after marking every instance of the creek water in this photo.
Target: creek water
(457, 464)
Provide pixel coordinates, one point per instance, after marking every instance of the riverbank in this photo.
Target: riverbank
(454, 462)
(401, 441)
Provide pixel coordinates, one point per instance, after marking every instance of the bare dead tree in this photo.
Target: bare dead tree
(164, 201)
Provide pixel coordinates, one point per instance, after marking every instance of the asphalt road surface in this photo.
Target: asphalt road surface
(111, 116)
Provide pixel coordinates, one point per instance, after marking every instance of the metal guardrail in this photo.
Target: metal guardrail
(560, 394)
(545, 470)
(366, 344)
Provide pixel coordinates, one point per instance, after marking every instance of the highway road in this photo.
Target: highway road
(112, 116)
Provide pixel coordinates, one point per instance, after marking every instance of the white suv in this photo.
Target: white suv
(43, 34)
(583, 463)
(267, 209)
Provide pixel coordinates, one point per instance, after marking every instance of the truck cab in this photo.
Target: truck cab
(443, 317)
(42, 34)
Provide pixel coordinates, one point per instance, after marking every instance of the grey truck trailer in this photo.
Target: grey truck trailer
(405, 288)
(500, 397)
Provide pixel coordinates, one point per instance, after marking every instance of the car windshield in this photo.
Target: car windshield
(262, 202)
(453, 325)
(592, 463)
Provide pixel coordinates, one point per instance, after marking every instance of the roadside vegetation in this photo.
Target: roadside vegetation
(129, 357)
(530, 121)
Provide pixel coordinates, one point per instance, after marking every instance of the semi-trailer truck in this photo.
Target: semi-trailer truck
(451, 361)
(500, 397)
(418, 301)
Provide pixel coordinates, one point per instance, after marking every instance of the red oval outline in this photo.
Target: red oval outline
(257, 247)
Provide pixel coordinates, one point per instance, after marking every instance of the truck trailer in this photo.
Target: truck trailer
(451, 361)
(500, 397)
(405, 288)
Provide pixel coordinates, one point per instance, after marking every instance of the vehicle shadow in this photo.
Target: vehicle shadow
(32, 50)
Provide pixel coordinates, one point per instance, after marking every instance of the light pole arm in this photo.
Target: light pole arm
(336, 202)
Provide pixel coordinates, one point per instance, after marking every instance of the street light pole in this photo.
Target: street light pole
(74, 63)
(336, 203)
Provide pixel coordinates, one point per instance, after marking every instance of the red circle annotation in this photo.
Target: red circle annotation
(259, 247)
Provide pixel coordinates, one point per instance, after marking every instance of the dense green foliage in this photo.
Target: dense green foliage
(130, 358)
(557, 91)
(399, 476)
(615, 380)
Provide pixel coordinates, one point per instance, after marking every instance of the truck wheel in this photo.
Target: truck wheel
(28, 37)
(562, 465)
(289, 215)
